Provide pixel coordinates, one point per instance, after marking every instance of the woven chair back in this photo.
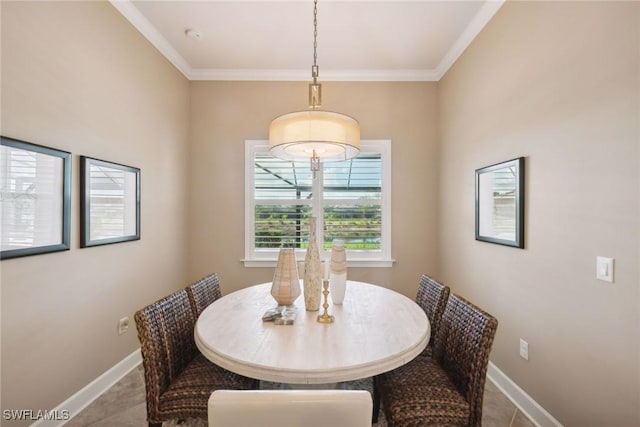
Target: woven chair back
(462, 348)
(165, 330)
(432, 296)
(203, 292)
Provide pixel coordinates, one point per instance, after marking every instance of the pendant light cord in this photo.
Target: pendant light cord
(315, 35)
(315, 88)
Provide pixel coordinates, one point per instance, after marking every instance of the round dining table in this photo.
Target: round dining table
(375, 330)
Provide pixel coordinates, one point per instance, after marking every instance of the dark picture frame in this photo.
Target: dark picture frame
(500, 203)
(35, 185)
(109, 202)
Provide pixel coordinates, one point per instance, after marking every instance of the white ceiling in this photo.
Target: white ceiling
(358, 40)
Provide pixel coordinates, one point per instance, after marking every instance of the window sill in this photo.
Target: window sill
(355, 263)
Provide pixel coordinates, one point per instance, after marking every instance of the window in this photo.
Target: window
(351, 200)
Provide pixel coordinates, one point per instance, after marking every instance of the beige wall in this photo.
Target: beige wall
(78, 77)
(225, 114)
(557, 82)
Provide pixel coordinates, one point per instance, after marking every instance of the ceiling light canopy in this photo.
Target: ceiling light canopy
(314, 134)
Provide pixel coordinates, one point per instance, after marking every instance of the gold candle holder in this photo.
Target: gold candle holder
(325, 317)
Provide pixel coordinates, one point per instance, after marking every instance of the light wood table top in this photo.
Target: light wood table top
(375, 330)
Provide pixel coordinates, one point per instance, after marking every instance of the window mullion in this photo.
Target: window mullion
(318, 195)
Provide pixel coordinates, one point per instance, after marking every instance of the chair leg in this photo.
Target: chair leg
(376, 402)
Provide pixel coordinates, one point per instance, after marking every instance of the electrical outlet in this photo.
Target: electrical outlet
(123, 325)
(524, 349)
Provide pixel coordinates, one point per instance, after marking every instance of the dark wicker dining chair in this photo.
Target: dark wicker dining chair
(178, 379)
(446, 389)
(204, 292)
(432, 296)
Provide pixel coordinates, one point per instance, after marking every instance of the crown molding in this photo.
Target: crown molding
(305, 75)
(482, 17)
(142, 24)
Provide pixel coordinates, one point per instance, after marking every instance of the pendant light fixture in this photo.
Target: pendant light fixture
(314, 134)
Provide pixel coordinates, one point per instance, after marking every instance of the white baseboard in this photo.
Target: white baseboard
(80, 400)
(525, 403)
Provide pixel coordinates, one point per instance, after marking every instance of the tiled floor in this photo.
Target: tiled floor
(123, 405)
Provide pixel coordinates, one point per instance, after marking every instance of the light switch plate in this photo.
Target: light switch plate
(604, 269)
(123, 325)
(524, 349)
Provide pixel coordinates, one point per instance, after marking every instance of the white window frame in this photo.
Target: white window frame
(382, 258)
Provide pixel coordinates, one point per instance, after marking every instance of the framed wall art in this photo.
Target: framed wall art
(35, 194)
(500, 203)
(109, 202)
